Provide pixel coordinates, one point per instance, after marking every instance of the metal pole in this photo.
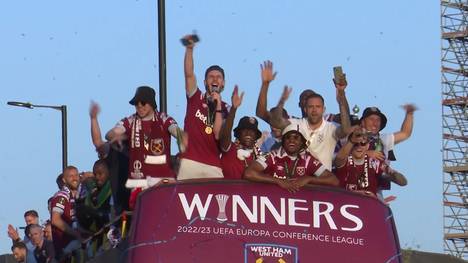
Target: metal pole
(63, 109)
(162, 55)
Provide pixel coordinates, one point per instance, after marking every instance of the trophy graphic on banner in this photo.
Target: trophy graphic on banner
(222, 200)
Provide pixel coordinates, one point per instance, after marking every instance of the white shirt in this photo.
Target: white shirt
(388, 141)
(321, 141)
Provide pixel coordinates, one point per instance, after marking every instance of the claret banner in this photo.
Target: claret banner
(238, 221)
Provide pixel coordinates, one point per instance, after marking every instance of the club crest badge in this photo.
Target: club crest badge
(300, 171)
(62, 201)
(320, 138)
(157, 146)
(263, 253)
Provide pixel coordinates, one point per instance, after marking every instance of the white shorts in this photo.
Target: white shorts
(195, 170)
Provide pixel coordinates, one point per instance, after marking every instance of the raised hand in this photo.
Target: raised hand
(189, 40)
(409, 108)
(285, 95)
(94, 110)
(13, 233)
(341, 85)
(236, 100)
(267, 72)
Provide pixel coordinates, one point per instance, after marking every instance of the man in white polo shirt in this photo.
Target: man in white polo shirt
(321, 135)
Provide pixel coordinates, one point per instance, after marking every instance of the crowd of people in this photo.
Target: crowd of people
(339, 150)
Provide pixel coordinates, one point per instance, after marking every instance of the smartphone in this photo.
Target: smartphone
(193, 37)
(338, 74)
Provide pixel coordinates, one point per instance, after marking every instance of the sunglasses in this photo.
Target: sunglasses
(362, 143)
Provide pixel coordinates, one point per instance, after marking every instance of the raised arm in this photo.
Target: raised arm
(13, 234)
(116, 134)
(226, 129)
(267, 76)
(277, 120)
(345, 127)
(407, 125)
(190, 79)
(342, 156)
(95, 129)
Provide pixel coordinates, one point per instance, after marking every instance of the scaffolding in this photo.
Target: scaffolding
(454, 27)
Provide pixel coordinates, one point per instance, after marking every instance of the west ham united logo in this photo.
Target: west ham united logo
(263, 253)
(300, 171)
(157, 146)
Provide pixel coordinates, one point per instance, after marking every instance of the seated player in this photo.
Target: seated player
(291, 166)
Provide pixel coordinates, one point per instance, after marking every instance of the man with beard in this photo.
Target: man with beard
(96, 209)
(321, 135)
(290, 167)
(65, 233)
(239, 154)
(359, 172)
(19, 252)
(273, 139)
(203, 120)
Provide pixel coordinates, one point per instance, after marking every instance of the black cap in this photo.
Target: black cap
(375, 111)
(337, 119)
(250, 123)
(144, 94)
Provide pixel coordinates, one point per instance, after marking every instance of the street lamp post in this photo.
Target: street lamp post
(63, 110)
(162, 55)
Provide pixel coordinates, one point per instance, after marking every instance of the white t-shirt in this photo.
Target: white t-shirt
(388, 141)
(321, 141)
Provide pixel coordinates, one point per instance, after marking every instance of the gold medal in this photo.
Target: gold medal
(208, 130)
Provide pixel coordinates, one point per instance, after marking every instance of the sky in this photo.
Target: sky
(71, 52)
